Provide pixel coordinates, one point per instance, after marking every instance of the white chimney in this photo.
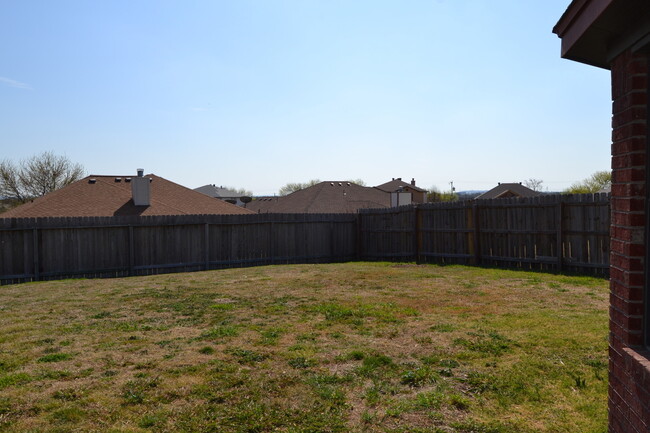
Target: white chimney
(140, 189)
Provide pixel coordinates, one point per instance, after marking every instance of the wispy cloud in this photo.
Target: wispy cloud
(13, 83)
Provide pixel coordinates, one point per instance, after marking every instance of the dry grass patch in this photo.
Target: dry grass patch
(360, 347)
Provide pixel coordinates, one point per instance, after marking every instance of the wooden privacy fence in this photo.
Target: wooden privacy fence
(550, 232)
(555, 232)
(52, 248)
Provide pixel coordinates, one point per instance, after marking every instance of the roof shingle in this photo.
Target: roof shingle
(108, 196)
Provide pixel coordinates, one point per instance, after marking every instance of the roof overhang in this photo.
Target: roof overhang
(597, 31)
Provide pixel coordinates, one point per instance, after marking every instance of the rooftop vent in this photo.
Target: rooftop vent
(118, 179)
(140, 172)
(127, 179)
(92, 180)
(332, 183)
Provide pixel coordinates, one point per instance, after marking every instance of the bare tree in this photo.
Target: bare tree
(37, 176)
(296, 186)
(534, 184)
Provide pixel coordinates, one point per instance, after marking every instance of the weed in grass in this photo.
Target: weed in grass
(443, 327)
(68, 394)
(206, 350)
(101, 315)
(245, 356)
(136, 391)
(418, 377)
(301, 362)
(458, 401)
(55, 357)
(423, 339)
(579, 381)
(271, 336)
(12, 379)
(446, 372)
(220, 332)
(428, 400)
(222, 307)
(489, 343)
(357, 355)
(449, 363)
(54, 374)
(479, 382)
(330, 379)
(373, 362)
(369, 417)
(164, 343)
(307, 338)
(150, 420)
(331, 394)
(70, 414)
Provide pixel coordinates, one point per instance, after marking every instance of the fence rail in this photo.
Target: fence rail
(550, 232)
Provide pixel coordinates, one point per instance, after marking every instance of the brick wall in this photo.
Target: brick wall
(629, 389)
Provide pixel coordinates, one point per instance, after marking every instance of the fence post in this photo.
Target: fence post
(37, 265)
(477, 232)
(416, 232)
(560, 233)
(359, 240)
(206, 248)
(131, 251)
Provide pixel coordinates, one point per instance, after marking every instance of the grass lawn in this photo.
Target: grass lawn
(357, 347)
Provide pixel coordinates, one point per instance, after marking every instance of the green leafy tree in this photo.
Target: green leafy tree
(37, 176)
(594, 183)
(434, 195)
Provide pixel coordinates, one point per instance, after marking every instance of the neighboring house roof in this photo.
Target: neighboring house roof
(324, 197)
(395, 184)
(505, 190)
(217, 191)
(108, 196)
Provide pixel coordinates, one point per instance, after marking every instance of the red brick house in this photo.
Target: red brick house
(615, 35)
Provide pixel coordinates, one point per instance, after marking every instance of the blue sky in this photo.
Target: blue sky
(258, 93)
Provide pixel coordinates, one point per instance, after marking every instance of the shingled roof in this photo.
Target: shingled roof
(111, 196)
(505, 190)
(324, 197)
(395, 184)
